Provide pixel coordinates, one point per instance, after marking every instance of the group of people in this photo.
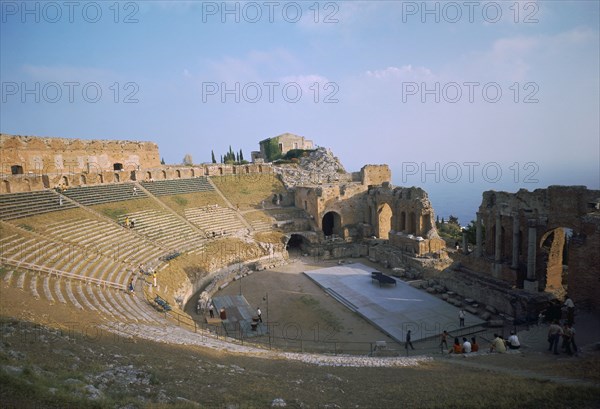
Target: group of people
(129, 223)
(498, 344)
(567, 333)
(458, 347)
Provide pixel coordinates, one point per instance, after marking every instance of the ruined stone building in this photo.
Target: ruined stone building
(285, 142)
(547, 240)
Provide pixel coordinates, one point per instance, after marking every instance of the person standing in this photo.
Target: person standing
(444, 340)
(554, 333)
(461, 317)
(154, 278)
(259, 314)
(211, 310)
(408, 341)
(570, 310)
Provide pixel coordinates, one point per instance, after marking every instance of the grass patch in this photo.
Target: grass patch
(114, 213)
(192, 200)
(327, 316)
(26, 227)
(181, 201)
(248, 191)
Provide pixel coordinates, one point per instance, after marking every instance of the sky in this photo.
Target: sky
(456, 97)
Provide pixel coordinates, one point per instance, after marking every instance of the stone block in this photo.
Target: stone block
(469, 300)
(471, 310)
(495, 323)
(485, 315)
(491, 309)
(445, 297)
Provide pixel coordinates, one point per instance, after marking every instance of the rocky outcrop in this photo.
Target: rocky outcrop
(320, 166)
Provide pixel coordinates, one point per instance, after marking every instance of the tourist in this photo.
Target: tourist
(211, 310)
(474, 345)
(153, 276)
(461, 317)
(60, 200)
(456, 348)
(134, 191)
(498, 344)
(408, 342)
(570, 310)
(513, 341)
(259, 314)
(444, 340)
(466, 346)
(567, 336)
(554, 333)
(131, 286)
(541, 318)
(573, 344)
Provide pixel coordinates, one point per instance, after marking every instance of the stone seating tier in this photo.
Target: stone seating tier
(25, 204)
(177, 186)
(100, 194)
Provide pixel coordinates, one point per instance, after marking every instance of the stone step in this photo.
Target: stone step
(21, 281)
(33, 286)
(58, 292)
(71, 296)
(47, 292)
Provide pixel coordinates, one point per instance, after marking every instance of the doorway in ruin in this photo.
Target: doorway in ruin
(296, 245)
(6, 186)
(332, 223)
(117, 166)
(64, 181)
(16, 170)
(554, 257)
(384, 221)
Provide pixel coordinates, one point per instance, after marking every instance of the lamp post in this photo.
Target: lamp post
(266, 298)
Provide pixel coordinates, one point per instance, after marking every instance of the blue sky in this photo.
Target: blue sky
(457, 99)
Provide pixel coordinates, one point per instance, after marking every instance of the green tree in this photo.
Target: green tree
(162, 161)
(453, 220)
(241, 156)
(212, 156)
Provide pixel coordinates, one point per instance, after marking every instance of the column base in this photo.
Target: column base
(531, 285)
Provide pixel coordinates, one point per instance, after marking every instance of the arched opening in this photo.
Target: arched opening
(164, 174)
(193, 173)
(101, 177)
(412, 223)
(332, 223)
(64, 181)
(178, 174)
(426, 224)
(247, 168)
(117, 166)
(148, 176)
(28, 185)
(259, 168)
(133, 175)
(384, 221)
(220, 171)
(296, 245)
(554, 249)
(117, 177)
(402, 221)
(16, 170)
(6, 184)
(82, 180)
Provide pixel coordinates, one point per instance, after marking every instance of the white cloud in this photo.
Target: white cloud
(405, 72)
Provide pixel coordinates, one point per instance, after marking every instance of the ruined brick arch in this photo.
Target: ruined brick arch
(178, 174)
(164, 174)
(553, 259)
(117, 177)
(193, 172)
(64, 181)
(6, 186)
(247, 169)
(384, 220)
(412, 223)
(82, 179)
(27, 185)
(148, 175)
(402, 221)
(331, 223)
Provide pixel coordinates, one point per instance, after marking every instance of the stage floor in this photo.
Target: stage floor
(393, 309)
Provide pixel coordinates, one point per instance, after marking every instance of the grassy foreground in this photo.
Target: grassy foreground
(80, 367)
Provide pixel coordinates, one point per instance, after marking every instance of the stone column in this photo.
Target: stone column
(515, 243)
(407, 222)
(478, 238)
(498, 247)
(531, 282)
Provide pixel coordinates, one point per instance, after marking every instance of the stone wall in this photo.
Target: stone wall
(375, 175)
(43, 155)
(548, 238)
